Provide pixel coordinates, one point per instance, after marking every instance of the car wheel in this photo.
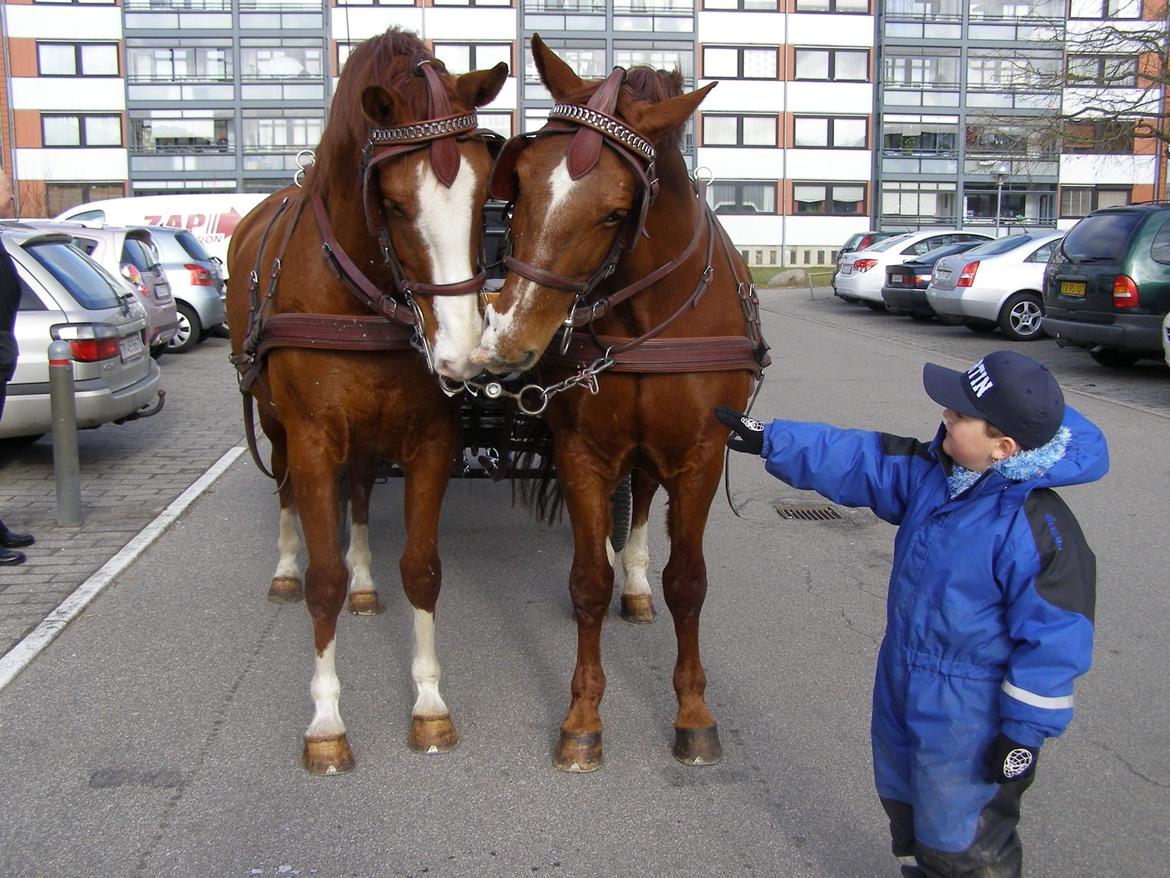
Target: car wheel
(1114, 358)
(189, 330)
(981, 326)
(1019, 318)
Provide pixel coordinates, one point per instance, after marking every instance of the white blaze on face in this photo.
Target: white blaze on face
(425, 668)
(444, 223)
(326, 691)
(500, 326)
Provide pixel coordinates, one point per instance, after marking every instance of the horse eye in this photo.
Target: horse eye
(614, 217)
(394, 208)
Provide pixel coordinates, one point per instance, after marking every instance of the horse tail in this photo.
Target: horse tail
(534, 483)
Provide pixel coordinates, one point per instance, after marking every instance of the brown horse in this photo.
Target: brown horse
(610, 235)
(374, 257)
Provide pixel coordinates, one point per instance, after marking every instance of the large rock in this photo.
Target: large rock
(789, 277)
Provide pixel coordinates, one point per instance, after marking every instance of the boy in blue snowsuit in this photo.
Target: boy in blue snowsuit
(990, 606)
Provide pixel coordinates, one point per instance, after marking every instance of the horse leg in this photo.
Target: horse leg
(637, 601)
(426, 476)
(591, 587)
(286, 581)
(684, 585)
(363, 596)
(326, 749)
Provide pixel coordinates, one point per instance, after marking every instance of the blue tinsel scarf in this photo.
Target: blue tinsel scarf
(1020, 467)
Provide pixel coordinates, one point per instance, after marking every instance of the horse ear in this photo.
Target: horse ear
(380, 104)
(655, 121)
(480, 87)
(557, 76)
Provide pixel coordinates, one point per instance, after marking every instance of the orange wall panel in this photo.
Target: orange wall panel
(22, 57)
(28, 129)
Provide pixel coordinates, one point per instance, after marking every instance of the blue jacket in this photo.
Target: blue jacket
(996, 584)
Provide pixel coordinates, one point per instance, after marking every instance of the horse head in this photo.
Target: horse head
(580, 190)
(425, 171)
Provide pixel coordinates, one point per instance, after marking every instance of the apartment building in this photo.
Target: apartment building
(830, 116)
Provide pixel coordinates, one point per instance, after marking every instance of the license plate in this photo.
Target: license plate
(131, 346)
(847, 269)
(896, 278)
(1072, 288)
(943, 274)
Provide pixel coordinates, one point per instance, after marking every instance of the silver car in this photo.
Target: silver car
(67, 296)
(132, 255)
(196, 281)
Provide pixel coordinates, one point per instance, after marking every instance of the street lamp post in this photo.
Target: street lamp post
(1001, 172)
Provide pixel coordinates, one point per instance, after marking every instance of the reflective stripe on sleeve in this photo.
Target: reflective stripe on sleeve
(1033, 700)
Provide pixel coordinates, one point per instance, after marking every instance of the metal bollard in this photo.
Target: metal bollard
(66, 461)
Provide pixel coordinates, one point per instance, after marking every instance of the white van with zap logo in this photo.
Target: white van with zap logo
(210, 218)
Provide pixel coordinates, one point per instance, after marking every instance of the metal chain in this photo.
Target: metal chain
(587, 375)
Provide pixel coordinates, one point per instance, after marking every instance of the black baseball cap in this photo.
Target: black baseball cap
(1011, 392)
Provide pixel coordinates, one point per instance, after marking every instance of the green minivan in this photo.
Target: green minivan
(1107, 286)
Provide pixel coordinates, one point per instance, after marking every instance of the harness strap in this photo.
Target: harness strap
(661, 355)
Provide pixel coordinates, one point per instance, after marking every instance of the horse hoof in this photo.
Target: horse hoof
(697, 746)
(638, 608)
(365, 603)
(328, 756)
(432, 734)
(578, 753)
(285, 590)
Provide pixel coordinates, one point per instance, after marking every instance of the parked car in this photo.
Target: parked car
(997, 284)
(905, 288)
(130, 254)
(67, 296)
(1166, 338)
(860, 241)
(197, 283)
(863, 272)
(1107, 286)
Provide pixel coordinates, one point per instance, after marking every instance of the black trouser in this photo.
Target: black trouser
(995, 852)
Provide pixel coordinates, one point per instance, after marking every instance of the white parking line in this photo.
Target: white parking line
(21, 655)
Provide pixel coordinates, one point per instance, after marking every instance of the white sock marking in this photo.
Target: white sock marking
(425, 668)
(635, 561)
(326, 691)
(288, 544)
(358, 559)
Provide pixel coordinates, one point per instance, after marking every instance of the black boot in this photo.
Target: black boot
(9, 557)
(10, 540)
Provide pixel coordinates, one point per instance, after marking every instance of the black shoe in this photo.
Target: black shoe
(10, 540)
(9, 557)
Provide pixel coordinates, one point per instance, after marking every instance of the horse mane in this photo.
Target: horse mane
(385, 60)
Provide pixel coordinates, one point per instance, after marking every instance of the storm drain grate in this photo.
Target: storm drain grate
(808, 513)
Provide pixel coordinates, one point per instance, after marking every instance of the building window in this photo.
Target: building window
(1101, 71)
(59, 197)
(731, 62)
(463, 57)
(917, 203)
(993, 10)
(992, 69)
(76, 130)
(920, 135)
(586, 58)
(987, 138)
(745, 197)
(659, 54)
(1099, 138)
(913, 70)
(1098, 9)
(473, 2)
(828, 199)
(375, 2)
(858, 7)
(182, 131)
(275, 58)
(830, 132)
(729, 130)
(746, 5)
(77, 59)
(833, 65)
(501, 123)
(281, 130)
(181, 60)
(1076, 202)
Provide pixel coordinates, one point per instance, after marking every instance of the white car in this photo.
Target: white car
(999, 283)
(863, 272)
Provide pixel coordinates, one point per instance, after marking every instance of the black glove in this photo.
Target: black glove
(749, 433)
(1009, 760)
